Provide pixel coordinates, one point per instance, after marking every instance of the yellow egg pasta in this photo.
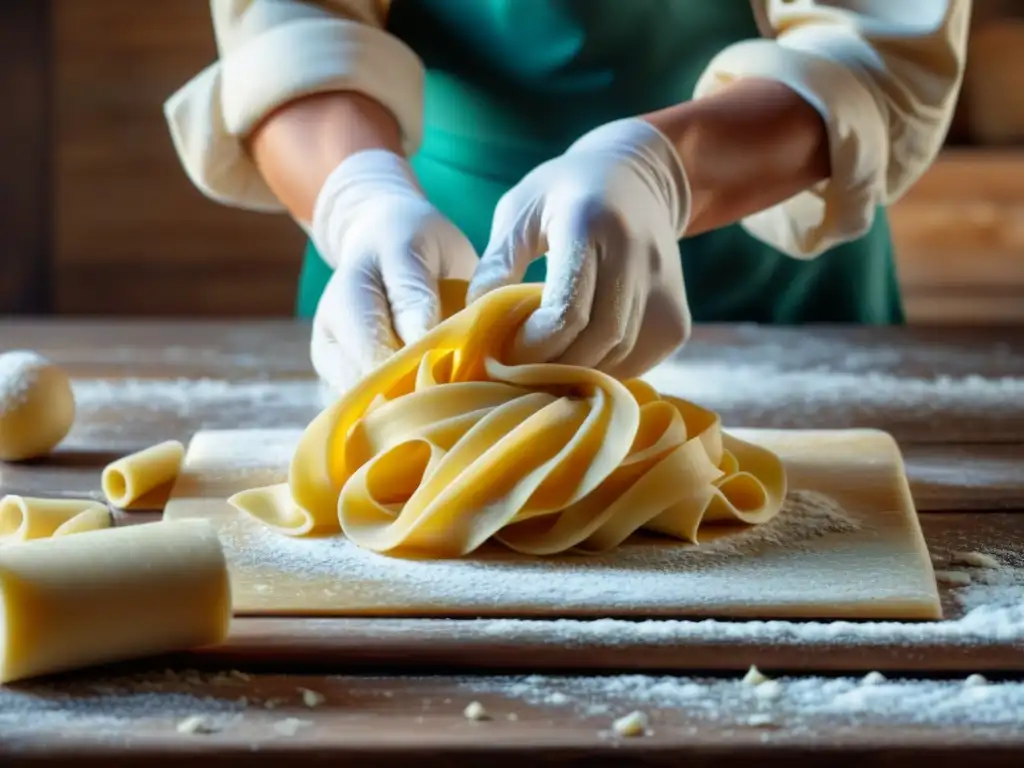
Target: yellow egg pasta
(111, 595)
(127, 481)
(445, 446)
(23, 518)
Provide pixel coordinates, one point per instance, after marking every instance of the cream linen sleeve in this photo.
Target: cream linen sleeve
(272, 52)
(885, 76)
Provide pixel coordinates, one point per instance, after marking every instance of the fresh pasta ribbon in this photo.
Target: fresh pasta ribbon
(128, 481)
(24, 518)
(444, 447)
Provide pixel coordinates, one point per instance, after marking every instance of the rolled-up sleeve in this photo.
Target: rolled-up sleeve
(271, 52)
(884, 75)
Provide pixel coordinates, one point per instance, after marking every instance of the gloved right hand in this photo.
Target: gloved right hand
(388, 247)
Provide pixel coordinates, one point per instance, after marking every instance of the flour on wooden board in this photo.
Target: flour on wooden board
(993, 605)
(630, 576)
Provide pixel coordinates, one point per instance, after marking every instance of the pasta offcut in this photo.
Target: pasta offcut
(444, 447)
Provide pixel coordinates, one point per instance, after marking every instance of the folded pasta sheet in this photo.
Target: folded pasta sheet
(446, 446)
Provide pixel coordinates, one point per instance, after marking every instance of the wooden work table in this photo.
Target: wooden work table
(953, 398)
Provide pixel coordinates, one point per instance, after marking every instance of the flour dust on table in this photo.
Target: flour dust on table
(992, 604)
(798, 703)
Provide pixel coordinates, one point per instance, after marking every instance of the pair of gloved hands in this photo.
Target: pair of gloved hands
(608, 213)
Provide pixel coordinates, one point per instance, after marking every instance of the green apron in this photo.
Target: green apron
(511, 83)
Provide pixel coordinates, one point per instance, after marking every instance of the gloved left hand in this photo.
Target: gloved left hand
(609, 213)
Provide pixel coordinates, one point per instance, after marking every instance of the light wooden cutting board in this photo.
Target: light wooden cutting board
(864, 559)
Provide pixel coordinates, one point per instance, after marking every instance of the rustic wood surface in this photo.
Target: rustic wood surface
(962, 433)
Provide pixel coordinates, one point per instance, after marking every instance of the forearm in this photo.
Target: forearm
(750, 146)
(298, 146)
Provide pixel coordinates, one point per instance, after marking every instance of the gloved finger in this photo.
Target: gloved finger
(614, 304)
(337, 372)
(411, 276)
(516, 240)
(568, 294)
(410, 282)
(327, 394)
(611, 363)
(664, 329)
(354, 307)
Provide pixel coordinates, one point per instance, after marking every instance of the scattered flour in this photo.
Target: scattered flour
(797, 702)
(115, 411)
(843, 383)
(769, 690)
(110, 705)
(752, 381)
(291, 726)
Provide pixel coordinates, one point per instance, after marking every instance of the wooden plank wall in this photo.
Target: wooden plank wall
(25, 222)
(99, 218)
(133, 236)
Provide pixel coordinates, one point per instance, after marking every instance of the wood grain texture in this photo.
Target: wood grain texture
(25, 193)
(133, 236)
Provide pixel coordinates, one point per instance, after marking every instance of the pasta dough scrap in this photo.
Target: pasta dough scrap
(24, 518)
(127, 481)
(37, 405)
(111, 595)
(444, 447)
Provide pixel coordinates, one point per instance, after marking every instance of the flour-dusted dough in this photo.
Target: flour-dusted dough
(37, 405)
(23, 518)
(128, 480)
(636, 723)
(444, 447)
(111, 595)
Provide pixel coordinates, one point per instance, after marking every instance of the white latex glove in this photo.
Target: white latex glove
(609, 213)
(389, 247)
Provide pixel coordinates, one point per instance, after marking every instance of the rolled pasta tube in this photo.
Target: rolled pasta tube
(23, 518)
(131, 477)
(112, 595)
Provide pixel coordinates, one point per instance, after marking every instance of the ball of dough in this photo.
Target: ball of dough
(37, 406)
